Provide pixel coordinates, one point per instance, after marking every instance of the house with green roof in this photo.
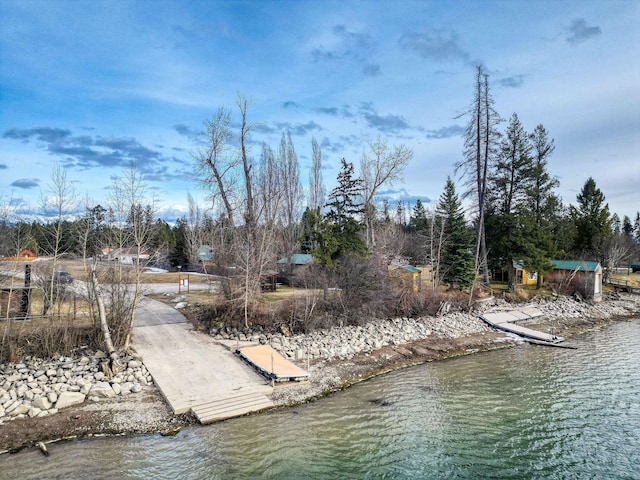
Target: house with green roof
(407, 276)
(580, 275)
(524, 276)
(290, 267)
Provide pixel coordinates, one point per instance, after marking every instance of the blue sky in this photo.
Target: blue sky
(94, 85)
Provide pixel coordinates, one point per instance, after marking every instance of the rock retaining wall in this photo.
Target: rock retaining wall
(345, 342)
(36, 388)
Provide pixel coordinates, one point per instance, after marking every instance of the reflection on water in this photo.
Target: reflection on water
(525, 412)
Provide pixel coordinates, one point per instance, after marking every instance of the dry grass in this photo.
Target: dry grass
(283, 293)
(632, 279)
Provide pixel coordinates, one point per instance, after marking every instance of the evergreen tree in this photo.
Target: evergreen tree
(311, 223)
(163, 240)
(341, 231)
(457, 263)
(627, 226)
(542, 205)
(400, 214)
(386, 217)
(593, 222)
(178, 256)
(616, 224)
(509, 230)
(418, 220)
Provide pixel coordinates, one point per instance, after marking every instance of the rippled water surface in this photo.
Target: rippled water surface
(526, 412)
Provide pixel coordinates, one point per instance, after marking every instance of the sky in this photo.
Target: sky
(92, 86)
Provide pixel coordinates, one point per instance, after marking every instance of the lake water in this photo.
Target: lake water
(524, 412)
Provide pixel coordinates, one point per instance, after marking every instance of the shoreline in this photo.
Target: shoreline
(147, 412)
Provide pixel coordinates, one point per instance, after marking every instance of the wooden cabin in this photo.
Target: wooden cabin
(27, 254)
(408, 276)
(290, 267)
(523, 276)
(586, 276)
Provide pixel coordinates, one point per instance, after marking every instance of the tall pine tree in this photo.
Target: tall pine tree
(592, 220)
(341, 231)
(457, 260)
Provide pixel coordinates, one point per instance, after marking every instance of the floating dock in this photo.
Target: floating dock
(505, 321)
(271, 364)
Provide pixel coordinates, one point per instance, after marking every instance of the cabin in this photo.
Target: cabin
(290, 267)
(27, 254)
(523, 276)
(408, 277)
(582, 275)
(127, 256)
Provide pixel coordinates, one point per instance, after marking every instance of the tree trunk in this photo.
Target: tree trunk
(102, 313)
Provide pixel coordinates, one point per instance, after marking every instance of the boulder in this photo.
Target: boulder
(67, 399)
(42, 403)
(34, 412)
(102, 390)
(20, 410)
(134, 364)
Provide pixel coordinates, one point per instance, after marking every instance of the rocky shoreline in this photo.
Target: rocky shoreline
(33, 392)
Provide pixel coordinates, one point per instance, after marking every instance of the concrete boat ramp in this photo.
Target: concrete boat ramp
(505, 321)
(193, 371)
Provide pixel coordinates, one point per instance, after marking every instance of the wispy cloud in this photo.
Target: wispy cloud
(514, 81)
(434, 45)
(580, 32)
(446, 132)
(298, 128)
(343, 111)
(87, 152)
(385, 123)
(185, 130)
(26, 183)
(43, 134)
(351, 46)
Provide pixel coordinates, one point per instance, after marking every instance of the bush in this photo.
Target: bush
(56, 337)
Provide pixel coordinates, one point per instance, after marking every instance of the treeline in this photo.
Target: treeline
(258, 212)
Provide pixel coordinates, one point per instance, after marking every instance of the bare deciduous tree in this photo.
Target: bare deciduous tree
(382, 165)
(134, 223)
(193, 234)
(217, 163)
(56, 206)
(316, 185)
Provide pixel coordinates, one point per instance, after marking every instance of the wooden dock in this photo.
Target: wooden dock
(271, 364)
(505, 321)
